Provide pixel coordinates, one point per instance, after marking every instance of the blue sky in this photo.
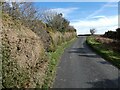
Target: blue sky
(85, 15)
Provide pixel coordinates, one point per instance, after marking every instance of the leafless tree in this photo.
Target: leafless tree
(92, 31)
(55, 20)
(47, 16)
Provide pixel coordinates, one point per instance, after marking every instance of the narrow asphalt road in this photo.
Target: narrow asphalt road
(80, 67)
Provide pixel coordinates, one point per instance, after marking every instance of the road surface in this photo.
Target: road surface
(80, 67)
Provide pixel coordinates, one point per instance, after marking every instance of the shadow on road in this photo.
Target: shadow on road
(106, 83)
(82, 67)
(89, 55)
(77, 50)
(84, 51)
(104, 62)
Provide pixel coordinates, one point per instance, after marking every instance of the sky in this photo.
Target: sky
(102, 16)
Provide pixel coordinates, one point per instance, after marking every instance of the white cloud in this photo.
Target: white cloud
(112, 5)
(101, 24)
(64, 11)
(97, 17)
(107, 5)
(96, 12)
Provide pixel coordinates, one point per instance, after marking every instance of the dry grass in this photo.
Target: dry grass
(58, 38)
(24, 58)
(109, 43)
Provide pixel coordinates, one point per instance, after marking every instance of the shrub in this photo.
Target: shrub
(110, 34)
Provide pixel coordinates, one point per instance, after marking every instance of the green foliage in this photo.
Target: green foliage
(109, 55)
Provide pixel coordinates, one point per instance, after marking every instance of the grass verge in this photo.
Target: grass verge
(108, 54)
(54, 59)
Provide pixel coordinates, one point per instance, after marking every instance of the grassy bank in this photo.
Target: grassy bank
(54, 59)
(107, 53)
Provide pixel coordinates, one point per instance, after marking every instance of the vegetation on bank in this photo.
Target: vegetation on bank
(30, 44)
(105, 51)
(23, 56)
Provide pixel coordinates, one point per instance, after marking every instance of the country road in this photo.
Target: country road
(80, 67)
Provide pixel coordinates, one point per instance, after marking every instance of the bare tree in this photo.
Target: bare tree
(5, 7)
(92, 31)
(55, 20)
(47, 16)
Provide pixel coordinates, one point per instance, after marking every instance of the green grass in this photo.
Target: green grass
(54, 59)
(108, 54)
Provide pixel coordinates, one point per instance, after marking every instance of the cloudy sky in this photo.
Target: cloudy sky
(85, 15)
